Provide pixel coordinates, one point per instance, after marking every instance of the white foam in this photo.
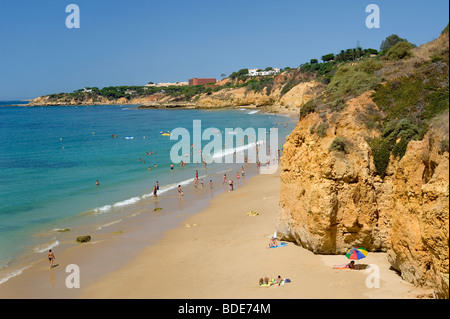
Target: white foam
(46, 246)
(103, 209)
(13, 274)
(252, 112)
(109, 224)
(229, 151)
(126, 202)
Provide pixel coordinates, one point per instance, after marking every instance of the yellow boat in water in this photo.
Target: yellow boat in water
(165, 134)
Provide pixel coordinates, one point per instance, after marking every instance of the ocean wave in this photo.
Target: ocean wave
(13, 274)
(127, 202)
(109, 224)
(230, 151)
(252, 112)
(103, 209)
(134, 200)
(46, 246)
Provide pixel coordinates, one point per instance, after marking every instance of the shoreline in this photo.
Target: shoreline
(270, 109)
(213, 251)
(35, 261)
(221, 252)
(141, 224)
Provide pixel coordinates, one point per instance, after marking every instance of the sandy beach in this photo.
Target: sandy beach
(222, 252)
(218, 253)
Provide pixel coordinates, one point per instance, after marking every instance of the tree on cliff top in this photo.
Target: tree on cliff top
(390, 41)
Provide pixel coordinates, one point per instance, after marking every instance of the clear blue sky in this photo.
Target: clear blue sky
(136, 41)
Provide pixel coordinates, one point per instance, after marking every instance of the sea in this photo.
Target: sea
(52, 157)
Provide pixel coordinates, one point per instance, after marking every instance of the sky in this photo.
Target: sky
(134, 42)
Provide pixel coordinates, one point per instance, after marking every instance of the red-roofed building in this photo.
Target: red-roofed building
(202, 81)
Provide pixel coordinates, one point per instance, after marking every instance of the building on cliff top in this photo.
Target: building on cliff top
(202, 81)
(255, 72)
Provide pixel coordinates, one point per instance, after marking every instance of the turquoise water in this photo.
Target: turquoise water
(51, 158)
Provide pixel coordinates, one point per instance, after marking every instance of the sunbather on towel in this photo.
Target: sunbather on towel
(278, 281)
(273, 242)
(350, 265)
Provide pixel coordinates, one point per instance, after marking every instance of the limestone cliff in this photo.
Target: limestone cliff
(332, 197)
(285, 92)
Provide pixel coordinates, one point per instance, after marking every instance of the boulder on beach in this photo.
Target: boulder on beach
(83, 239)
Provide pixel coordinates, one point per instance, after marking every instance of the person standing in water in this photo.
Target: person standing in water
(180, 192)
(97, 183)
(155, 190)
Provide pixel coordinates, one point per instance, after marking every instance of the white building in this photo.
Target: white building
(256, 72)
(168, 84)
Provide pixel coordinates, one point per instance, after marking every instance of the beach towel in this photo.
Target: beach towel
(344, 266)
(282, 244)
(272, 282)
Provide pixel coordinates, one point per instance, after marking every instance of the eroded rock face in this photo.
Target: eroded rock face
(328, 198)
(418, 238)
(332, 200)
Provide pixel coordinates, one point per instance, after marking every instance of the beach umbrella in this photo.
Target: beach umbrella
(356, 253)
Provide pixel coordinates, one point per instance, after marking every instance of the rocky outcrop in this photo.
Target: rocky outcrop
(329, 199)
(275, 96)
(419, 233)
(332, 199)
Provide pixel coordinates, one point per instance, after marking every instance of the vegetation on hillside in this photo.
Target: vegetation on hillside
(415, 93)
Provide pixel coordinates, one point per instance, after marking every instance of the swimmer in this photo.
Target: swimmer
(180, 192)
(97, 183)
(157, 185)
(230, 184)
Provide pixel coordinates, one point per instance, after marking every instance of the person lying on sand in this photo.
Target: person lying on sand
(277, 281)
(272, 282)
(273, 242)
(350, 265)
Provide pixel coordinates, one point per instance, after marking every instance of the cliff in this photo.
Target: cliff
(336, 193)
(284, 92)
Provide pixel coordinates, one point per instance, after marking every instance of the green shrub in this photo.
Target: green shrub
(381, 152)
(370, 65)
(309, 107)
(338, 145)
(401, 50)
(350, 82)
(322, 129)
(338, 104)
